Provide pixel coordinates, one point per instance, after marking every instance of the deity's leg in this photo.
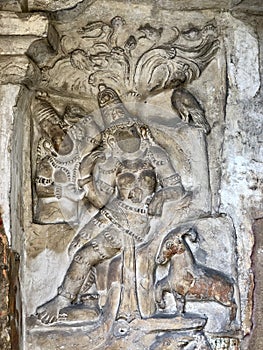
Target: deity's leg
(78, 272)
(74, 278)
(97, 250)
(128, 308)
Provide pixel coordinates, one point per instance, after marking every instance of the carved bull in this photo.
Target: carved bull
(189, 280)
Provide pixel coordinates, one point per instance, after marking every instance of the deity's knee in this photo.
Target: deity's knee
(86, 256)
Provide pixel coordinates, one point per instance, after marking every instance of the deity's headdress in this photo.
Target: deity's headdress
(116, 116)
(112, 109)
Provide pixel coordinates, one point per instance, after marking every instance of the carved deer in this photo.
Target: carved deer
(188, 280)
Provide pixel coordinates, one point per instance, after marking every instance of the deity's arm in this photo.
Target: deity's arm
(44, 182)
(165, 171)
(169, 180)
(100, 186)
(45, 190)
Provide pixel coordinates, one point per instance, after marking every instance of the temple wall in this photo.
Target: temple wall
(90, 92)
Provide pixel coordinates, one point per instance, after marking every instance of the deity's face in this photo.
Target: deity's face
(62, 143)
(127, 139)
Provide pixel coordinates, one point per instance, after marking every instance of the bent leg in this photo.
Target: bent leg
(74, 278)
(90, 231)
(90, 255)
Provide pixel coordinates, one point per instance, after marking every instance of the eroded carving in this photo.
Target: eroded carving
(130, 184)
(145, 62)
(127, 177)
(187, 279)
(181, 340)
(113, 177)
(64, 141)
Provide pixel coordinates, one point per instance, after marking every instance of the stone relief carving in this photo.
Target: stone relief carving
(187, 279)
(116, 180)
(63, 142)
(139, 170)
(101, 52)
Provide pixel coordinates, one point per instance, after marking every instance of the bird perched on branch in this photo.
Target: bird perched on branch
(151, 33)
(189, 109)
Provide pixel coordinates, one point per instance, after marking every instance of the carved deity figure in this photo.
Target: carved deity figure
(63, 143)
(130, 182)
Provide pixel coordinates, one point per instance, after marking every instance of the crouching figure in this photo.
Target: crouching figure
(188, 280)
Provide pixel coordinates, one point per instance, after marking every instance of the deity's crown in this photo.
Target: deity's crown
(112, 108)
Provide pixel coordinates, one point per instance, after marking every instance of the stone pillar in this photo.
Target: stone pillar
(17, 78)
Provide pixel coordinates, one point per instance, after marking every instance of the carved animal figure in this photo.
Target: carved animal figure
(151, 33)
(99, 30)
(130, 44)
(189, 109)
(117, 23)
(189, 280)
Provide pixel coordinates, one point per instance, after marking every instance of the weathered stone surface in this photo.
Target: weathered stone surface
(10, 5)
(135, 149)
(15, 45)
(17, 70)
(8, 94)
(4, 285)
(241, 159)
(255, 341)
(249, 7)
(48, 5)
(196, 5)
(23, 24)
(51, 5)
(243, 51)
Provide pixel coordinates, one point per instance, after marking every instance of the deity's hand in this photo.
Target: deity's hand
(71, 192)
(173, 193)
(156, 205)
(82, 183)
(89, 161)
(97, 155)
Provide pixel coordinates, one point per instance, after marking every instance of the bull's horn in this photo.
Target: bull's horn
(192, 234)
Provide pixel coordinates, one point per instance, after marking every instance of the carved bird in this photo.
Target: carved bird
(80, 59)
(95, 30)
(117, 24)
(130, 44)
(192, 34)
(151, 33)
(189, 109)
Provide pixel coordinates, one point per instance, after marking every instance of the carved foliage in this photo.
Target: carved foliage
(140, 63)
